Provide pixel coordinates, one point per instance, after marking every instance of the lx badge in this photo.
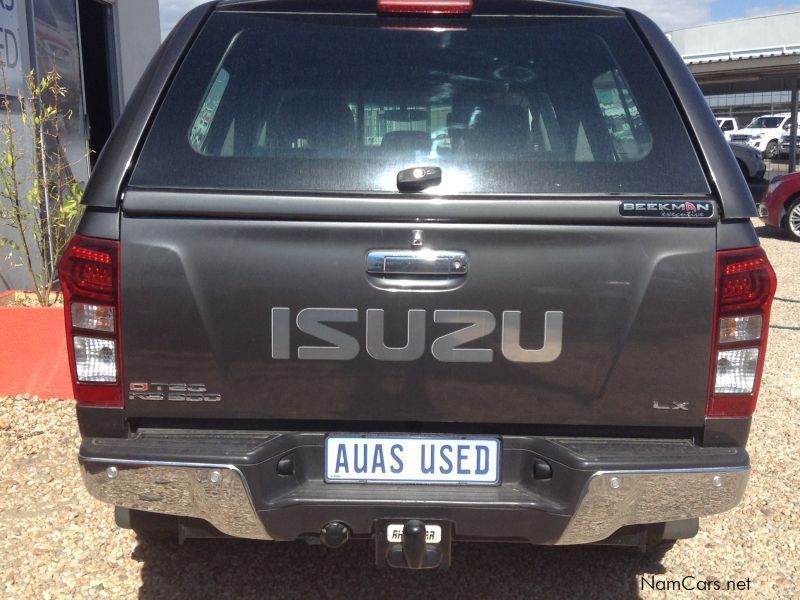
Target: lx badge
(675, 406)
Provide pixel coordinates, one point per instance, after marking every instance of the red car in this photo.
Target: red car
(781, 206)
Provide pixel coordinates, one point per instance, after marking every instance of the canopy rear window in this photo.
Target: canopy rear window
(341, 103)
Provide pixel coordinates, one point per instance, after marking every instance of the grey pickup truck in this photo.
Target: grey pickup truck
(417, 272)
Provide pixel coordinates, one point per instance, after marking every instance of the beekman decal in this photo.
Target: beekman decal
(686, 210)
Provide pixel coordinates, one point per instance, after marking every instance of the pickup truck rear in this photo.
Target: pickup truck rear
(417, 272)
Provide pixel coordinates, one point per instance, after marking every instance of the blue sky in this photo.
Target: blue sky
(732, 9)
(670, 14)
(677, 14)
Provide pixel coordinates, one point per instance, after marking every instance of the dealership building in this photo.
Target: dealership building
(747, 67)
(100, 48)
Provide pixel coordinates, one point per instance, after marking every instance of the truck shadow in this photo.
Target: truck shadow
(771, 233)
(242, 569)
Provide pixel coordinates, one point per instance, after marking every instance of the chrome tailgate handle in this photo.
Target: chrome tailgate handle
(417, 262)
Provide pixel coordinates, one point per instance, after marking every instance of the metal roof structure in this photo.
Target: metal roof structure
(759, 54)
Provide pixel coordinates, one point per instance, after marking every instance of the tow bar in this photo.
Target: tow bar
(413, 544)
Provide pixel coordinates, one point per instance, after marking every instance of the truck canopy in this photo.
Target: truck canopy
(550, 297)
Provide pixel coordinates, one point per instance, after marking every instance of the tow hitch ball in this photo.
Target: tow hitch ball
(413, 544)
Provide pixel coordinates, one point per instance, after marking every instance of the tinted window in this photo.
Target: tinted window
(342, 103)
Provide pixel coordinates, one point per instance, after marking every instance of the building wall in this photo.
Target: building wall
(15, 55)
(14, 44)
(775, 31)
(139, 36)
(23, 37)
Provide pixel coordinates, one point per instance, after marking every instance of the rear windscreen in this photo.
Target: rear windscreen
(342, 103)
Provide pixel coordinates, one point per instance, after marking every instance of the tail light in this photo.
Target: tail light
(422, 7)
(746, 284)
(89, 273)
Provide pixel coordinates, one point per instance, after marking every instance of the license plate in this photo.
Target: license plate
(432, 460)
(433, 534)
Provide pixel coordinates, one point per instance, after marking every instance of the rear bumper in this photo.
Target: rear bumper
(597, 486)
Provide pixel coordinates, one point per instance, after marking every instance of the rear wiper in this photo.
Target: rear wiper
(418, 179)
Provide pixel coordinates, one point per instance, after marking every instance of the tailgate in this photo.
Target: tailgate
(629, 313)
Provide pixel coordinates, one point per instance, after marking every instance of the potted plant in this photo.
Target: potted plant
(40, 204)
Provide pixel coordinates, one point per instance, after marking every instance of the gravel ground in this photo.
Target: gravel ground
(57, 542)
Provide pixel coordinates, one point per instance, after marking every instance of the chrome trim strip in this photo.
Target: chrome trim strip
(218, 494)
(613, 499)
